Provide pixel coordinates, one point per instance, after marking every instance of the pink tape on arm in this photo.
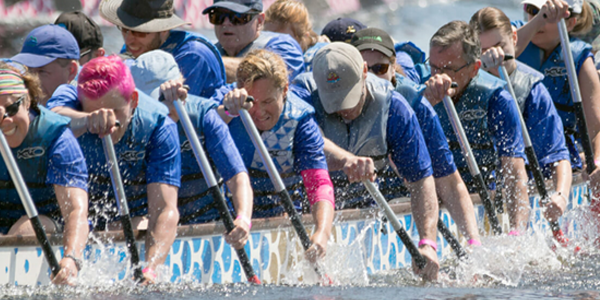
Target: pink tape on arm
(318, 186)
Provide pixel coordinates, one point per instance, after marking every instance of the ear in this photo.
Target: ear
(99, 52)
(164, 35)
(571, 22)
(134, 100)
(73, 70)
(477, 65)
(515, 37)
(261, 21)
(365, 70)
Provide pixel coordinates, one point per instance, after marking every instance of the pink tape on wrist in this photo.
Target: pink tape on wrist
(245, 219)
(473, 242)
(514, 233)
(150, 272)
(429, 243)
(318, 186)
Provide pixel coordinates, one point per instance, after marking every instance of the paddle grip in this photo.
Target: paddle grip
(40, 233)
(132, 246)
(487, 203)
(454, 243)
(229, 226)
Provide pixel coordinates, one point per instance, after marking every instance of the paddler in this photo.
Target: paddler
(544, 125)
(150, 24)
(52, 165)
(293, 139)
(364, 121)
(487, 113)
(239, 29)
(86, 32)
(156, 73)
(146, 144)
(377, 50)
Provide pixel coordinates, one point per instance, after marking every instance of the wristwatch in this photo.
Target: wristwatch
(77, 261)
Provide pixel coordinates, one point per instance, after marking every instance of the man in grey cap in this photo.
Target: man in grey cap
(149, 24)
(365, 123)
(239, 29)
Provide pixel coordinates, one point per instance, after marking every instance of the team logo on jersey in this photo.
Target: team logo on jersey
(186, 146)
(472, 114)
(32, 152)
(555, 72)
(133, 155)
(333, 77)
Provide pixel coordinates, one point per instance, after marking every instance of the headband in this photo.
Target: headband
(11, 83)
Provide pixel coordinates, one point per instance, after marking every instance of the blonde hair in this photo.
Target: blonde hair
(262, 64)
(489, 18)
(585, 21)
(32, 83)
(295, 13)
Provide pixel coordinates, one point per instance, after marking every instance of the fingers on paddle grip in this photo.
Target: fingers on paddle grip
(453, 85)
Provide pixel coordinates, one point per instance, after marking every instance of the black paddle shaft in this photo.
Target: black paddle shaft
(229, 226)
(586, 143)
(487, 203)
(40, 233)
(451, 239)
(132, 246)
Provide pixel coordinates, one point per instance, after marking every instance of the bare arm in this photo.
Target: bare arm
(163, 216)
(357, 168)
(455, 196)
(322, 213)
(73, 203)
(231, 66)
(590, 94)
(562, 177)
(515, 179)
(240, 188)
(78, 119)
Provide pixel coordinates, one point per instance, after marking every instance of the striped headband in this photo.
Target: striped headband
(11, 83)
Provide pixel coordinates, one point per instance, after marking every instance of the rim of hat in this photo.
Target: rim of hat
(112, 12)
(536, 3)
(379, 47)
(235, 7)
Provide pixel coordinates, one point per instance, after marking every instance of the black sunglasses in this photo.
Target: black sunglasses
(533, 10)
(217, 17)
(13, 109)
(379, 69)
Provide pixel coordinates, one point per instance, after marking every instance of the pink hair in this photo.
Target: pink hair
(103, 74)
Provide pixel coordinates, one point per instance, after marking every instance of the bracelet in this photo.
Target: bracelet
(430, 243)
(514, 233)
(77, 261)
(230, 114)
(473, 242)
(150, 272)
(246, 220)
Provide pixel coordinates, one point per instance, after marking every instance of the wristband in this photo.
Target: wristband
(230, 114)
(246, 220)
(428, 243)
(514, 233)
(150, 272)
(473, 242)
(78, 262)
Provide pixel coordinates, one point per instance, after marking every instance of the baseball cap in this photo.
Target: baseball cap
(574, 5)
(45, 44)
(86, 32)
(238, 6)
(342, 29)
(152, 69)
(374, 39)
(338, 73)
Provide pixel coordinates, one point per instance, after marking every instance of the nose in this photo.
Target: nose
(227, 22)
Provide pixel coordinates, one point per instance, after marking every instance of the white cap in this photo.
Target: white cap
(152, 69)
(575, 5)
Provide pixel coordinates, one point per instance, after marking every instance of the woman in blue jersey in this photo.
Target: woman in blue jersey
(292, 137)
(543, 123)
(51, 164)
(544, 53)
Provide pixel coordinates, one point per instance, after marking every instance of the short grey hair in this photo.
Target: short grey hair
(458, 31)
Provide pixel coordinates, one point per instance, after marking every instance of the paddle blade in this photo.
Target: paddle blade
(254, 279)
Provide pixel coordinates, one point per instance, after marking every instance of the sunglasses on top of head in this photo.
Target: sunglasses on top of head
(13, 109)
(533, 10)
(217, 17)
(379, 69)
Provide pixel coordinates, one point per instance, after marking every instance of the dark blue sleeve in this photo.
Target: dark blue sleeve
(220, 93)
(200, 68)
(164, 158)
(407, 64)
(64, 95)
(437, 145)
(505, 125)
(66, 165)
(405, 141)
(220, 146)
(308, 146)
(545, 127)
(286, 47)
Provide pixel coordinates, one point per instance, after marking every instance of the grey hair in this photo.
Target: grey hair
(458, 31)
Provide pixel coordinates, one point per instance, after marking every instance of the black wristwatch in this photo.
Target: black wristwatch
(78, 262)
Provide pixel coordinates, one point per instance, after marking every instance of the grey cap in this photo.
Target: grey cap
(338, 72)
(152, 69)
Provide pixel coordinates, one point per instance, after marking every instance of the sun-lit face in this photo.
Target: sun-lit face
(268, 103)
(234, 38)
(450, 61)
(51, 76)
(113, 100)
(374, 58)
(547, 37)
(495, 38)
(15, 127)
(138, 45)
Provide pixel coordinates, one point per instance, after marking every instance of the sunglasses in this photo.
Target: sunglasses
(533, 10)
(13, 109)
(379, 69)
(217, 17)
(136, 34)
